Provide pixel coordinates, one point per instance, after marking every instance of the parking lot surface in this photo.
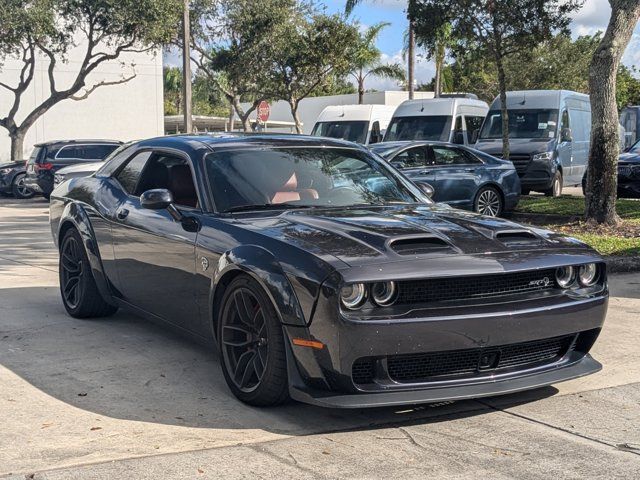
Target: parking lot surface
(124, 398)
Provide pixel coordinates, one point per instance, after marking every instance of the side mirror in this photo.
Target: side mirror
(426, 188)
(458, 137)
(474, 135)
(565, 135)
(156, 199)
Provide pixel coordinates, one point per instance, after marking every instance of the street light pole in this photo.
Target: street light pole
(411, 59)
(186, 69)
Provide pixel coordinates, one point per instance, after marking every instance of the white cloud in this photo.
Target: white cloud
(424, 72)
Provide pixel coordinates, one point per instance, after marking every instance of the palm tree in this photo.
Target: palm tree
(173, 87)
(351, 4)
(366, 60)
(443, 41)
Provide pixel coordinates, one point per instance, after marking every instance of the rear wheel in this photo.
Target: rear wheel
(80, 294)
(488, 202)
(556, 186)
(19, 189)
(252, 345)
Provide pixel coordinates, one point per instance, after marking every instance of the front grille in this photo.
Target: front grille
(520, 161)
(480, 286)
(464, 363)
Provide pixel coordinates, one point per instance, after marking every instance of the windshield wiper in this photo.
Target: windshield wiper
(265, 206)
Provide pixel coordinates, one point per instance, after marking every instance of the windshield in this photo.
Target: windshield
(303, 177)
(352, 131)
(635, 148)
(533, 123)
(433, 127)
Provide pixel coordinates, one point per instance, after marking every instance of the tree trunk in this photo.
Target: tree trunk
(602, 174)
(502, 83)
(437, 87)
(411, 59)
(17, 144)
(360, 89)
(231, 115)
(294, 113)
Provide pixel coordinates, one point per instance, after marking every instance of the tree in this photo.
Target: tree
(172, 90)
(627, 87)
(498, 28)
(365, 60)
(312, 48)
(437, 50)
(48, 29)
(602, 177)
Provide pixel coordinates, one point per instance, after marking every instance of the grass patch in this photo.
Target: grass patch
(569, 205)
(610, 245)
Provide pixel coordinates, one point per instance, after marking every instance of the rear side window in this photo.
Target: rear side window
(451, 156)
(129, 175)
(85, 152)
(411, 158)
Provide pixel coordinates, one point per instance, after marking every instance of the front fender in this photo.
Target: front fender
(266, 270)
(75, 216)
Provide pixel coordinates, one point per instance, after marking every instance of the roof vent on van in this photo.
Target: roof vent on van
(418, 245)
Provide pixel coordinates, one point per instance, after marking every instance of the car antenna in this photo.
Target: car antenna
(422, 104)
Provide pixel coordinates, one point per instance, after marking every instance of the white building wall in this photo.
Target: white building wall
(311, 107)
(129, 111)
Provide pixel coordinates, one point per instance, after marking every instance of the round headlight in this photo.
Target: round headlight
(384, 293)
(565, 276)
(352, 295)
(587, 274)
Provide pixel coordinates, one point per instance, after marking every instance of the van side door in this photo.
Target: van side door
(564, 150)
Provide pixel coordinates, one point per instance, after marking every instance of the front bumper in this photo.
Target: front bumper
(40, 183)
(628, 187)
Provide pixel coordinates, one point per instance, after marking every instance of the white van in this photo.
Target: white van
(445, 119)
(357, 123)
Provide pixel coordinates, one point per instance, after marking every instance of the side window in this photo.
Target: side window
(171, 173)
(98, 152)
(473, 125)
(449, 156)
(411, 158)
(565, 120)
(129, 175)
(458, 131)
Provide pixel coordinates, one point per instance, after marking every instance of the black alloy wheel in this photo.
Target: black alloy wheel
(80, 294)
(488, 202)
(252, 344)
(19, 189)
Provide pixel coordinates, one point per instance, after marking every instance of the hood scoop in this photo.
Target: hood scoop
(517, 237)
(418, 245)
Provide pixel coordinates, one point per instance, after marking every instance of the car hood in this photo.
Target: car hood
(377, 235)
(81, 167)
(529, 146)
(12, 164)
(629, 157)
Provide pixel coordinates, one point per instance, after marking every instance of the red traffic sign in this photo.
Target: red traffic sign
(263, 111)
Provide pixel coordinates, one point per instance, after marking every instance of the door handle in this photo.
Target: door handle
(122, 213)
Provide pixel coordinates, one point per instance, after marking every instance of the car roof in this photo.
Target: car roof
(408, 143)
(83, 141)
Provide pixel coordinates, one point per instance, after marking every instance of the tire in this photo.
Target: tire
(525, 191)
(556, 186)
(19, 190)
(252, 349)
(78, 289)
(488, 202)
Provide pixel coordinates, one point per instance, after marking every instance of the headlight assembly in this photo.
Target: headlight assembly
(543, 156)
(4, 171)
(384, 293)
(587, 274)
(353, 295)
(565, 276)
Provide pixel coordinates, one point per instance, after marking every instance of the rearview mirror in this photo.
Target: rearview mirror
(426, 188)
(565, 135)
(156, 199)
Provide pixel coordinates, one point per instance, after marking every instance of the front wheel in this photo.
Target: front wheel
(80, 294)
(19, 189)
(252, 345)
(556, 186)
(488, 202)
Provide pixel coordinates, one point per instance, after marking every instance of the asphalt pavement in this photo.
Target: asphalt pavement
(125, 398)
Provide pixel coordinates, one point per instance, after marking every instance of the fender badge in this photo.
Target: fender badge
(205, 263)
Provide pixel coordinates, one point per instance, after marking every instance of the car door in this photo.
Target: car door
(456, 174)
(155, 254)
(413, 163)
(565, 151)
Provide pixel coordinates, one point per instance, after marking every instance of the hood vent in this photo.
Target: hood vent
(418, 245)
(517, 237)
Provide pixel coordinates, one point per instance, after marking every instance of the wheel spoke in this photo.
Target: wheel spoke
(229, 336)
(245, 368)
(258, 366)
(70, 264)
(243, 309)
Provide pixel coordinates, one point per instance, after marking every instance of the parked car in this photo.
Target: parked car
(628, 173)
(461, 177)
(47, 158)
(356, 123)
(549, 135)
(84, 169)
(324, 274)
(446, 119)
(12, 176)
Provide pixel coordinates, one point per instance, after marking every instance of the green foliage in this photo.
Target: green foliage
(627, 87)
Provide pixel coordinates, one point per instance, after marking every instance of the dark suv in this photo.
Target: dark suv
(48, 157)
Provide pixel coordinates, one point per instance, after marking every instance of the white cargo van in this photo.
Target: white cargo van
(357, 123)
(445, 119)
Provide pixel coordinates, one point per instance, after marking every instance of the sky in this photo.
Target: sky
(593, 16)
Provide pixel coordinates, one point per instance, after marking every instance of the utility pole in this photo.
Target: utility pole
(186, 69)
(411, 59)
